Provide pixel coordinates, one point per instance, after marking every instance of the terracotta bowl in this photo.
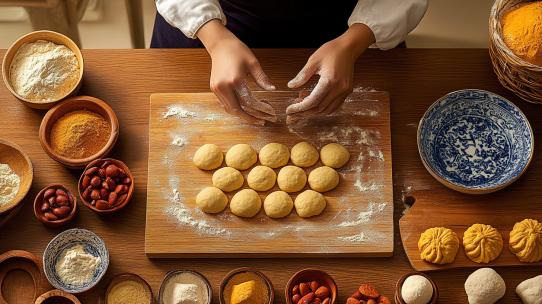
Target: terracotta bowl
(56, 296)
(399, 298)
(20, 163)
(39, 201)
(48, 36)
(173, 273)
(119, 206)
(128, 277)
(245, 269)
(308, 275)
(73, 104)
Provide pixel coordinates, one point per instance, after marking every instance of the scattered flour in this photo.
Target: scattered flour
(365, 216)
(179, 112)
(371, 113)
(178, 141)
(376, 154)
(356, 238)
(368, 186)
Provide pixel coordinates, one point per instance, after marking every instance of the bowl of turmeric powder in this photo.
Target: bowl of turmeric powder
(78, 131)
(246, 284)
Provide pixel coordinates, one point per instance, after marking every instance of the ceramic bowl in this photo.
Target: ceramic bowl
(399, 286)
(309, 275)
(32, 37)
(39, 201)
(227, 278)
(24, 261)
(123, 277)
(475, 141)
(56, 296)
(173, 273)
(20, 163)
(92, 243)
(73, 104)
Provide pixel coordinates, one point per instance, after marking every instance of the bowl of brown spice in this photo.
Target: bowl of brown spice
(79, 130)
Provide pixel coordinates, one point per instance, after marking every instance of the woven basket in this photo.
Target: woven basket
(514, 73)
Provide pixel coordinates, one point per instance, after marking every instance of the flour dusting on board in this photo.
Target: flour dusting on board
(363, 217)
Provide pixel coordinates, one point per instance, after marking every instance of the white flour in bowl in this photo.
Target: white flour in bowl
(9, 184)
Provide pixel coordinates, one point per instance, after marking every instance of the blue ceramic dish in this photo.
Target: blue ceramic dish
(475, 141)
(92, 243)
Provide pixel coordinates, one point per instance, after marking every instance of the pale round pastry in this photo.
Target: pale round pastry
(304, 154)
(261, 178)
(309, 203)
(526, 241)
(438, 245)
(241, 157)
(323, 179)
(482, 243)
(484, 286)
(291, 179)
(274, 155)
(208, 157)
(245, 203)
(211, 200)
(530, 290)
(278, 204)
(228, 179)
(334, 155)
(417, 289)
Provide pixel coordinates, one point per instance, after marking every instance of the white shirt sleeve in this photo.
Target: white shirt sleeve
(190, 15)
(390, 20)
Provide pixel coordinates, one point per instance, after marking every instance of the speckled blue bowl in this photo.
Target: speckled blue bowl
(93, 244)
(475, 141)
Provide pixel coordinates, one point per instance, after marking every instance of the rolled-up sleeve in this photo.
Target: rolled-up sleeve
(189, 15)
(390, 20)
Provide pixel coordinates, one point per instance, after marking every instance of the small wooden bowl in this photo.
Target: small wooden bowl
(98, 163)
(20, 163)
(24, 261)
(173, 273)
(56, 296)
(399, 285)
(128, 277)
(39, 201)
(308, 275)
(245, 269)
(32, 37)
(73, 104)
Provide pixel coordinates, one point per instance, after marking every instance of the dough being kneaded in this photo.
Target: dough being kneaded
(211, 200)
(323, 179)
(334, 155)
(526, 241)
(241, 157)
(438, 245)
(228, 179)
(482, 243)
(530, 291)
(484, 286)
(245, 203)
(291, 179)
(309, 203)
(304, 154)
(274, 155)
(208, 157)
(261, 178)
(278, 204)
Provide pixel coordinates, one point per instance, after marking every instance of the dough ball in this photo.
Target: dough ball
(323, 179)
(304, 154)
(261, 178)
(278, 204)
(417, 289)
(526, 241)
(482, 243)
(208, 157)
(309, 203)
(530, 291)
(438, 245)
(245, 203)
(228, 179)
(484, 286)
(211, 200)
(334, 155)
(291, 179)
(274, 155)
(241, 157)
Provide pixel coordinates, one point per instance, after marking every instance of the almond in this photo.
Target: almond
(295, 290)
(304, 289)
(314, 285)
(322, 292)
(306, 299)
(326, 301)
(296, 298)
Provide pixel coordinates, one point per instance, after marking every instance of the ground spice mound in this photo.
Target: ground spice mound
(262, 290)
(522, 31)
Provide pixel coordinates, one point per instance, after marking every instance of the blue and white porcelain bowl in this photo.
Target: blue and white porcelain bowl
(92, 244)
(475, 141)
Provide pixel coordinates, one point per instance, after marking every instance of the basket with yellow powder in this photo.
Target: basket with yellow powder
(515, 46)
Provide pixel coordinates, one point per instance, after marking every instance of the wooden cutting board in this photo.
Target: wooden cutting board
(358, 220)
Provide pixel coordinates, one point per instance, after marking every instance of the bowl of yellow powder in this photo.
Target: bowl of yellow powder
(42, 68)
(246, 285)
(16, 174)
(128, 288)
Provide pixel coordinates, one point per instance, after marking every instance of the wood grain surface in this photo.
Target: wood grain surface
(126, 79)
(357, 221)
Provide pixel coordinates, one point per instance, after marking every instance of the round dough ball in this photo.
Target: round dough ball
(228, 179)
(438, 245)
(309, 203)
(245, 203)
(261, 178)
(526, 241)
(291, 179)
(208, 157)
(211, 200)
(241, 157)
(274, 155)
(530, 290)
(304, 154)
(323, 179)
(482, 243)
(417, 289)
(334, 155)
(484, 286)
(278, 204)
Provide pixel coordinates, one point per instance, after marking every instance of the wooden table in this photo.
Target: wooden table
(126, 78)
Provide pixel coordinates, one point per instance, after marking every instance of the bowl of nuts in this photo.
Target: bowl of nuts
(55, 205)
(106, 185)
(309, 285)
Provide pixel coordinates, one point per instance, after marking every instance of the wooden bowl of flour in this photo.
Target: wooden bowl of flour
(54, 37)
(13, 156)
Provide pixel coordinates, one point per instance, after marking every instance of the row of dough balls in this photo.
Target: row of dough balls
(483, 243)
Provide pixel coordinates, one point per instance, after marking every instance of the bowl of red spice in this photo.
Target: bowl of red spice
(55, 205)
(78, 131)
(106, 185)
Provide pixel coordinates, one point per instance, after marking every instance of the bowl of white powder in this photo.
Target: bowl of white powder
(42, 68)
(75, 260)
(16, 174)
